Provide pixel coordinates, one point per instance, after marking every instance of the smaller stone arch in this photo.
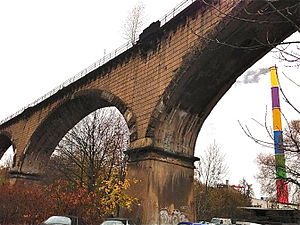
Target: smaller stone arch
(64, 117)
(5, 143)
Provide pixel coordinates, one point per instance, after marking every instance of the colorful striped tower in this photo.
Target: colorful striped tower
(281, 184)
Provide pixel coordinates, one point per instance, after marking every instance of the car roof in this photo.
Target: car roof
(190, 223)
(117, 218)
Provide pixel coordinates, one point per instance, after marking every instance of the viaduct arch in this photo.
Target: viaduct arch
(61, 119)
(165, 86)
(5, 142)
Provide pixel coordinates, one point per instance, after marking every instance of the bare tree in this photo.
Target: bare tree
(266, 175)
(212, 168)
(221, 202)
(267, 165)
(211, 198)
(292, 137)
(247, 189)
(133, 24)
(93, 150)
(210, 171)
(291, 147)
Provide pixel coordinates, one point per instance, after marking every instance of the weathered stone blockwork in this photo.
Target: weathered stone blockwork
(138, 77)
(165, 86)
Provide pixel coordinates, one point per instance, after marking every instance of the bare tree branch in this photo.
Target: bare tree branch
(134, 22)
(93, 150)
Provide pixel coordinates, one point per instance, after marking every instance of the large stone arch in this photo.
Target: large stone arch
(206, 74)
(60, 120)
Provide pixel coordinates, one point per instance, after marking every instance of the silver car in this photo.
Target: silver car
(63, 220)
(117, 221)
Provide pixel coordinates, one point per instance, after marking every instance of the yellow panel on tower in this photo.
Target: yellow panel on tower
(276, 119)
(274, 79)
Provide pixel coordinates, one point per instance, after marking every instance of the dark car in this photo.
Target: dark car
(64, 220)
(117, 221)
(190, 223)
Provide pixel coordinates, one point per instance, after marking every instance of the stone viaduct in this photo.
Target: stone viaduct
(165, 86)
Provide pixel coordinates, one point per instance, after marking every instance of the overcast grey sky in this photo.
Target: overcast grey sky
(45, 42)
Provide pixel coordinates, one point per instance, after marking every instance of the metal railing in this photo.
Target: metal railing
(167, 17)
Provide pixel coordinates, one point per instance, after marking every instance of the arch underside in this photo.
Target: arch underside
(5, 143)
(64, 117)
(209, 71)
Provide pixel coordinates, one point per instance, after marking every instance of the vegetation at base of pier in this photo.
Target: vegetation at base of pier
(212, 198)
(85, 176)
(3, 175)
(219, 202)
(31, 204)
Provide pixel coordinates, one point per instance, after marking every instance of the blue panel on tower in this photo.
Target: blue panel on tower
(278, 142)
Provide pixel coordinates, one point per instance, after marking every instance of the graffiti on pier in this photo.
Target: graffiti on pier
(173, 217)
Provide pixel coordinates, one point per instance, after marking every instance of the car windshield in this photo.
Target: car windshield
(58, 220)
(113, 222)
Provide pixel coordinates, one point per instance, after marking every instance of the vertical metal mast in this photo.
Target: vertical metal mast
(281, 184)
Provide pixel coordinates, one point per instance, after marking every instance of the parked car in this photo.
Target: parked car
(217, 221)
(117, 221)
(190, 223)
(64, 220)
